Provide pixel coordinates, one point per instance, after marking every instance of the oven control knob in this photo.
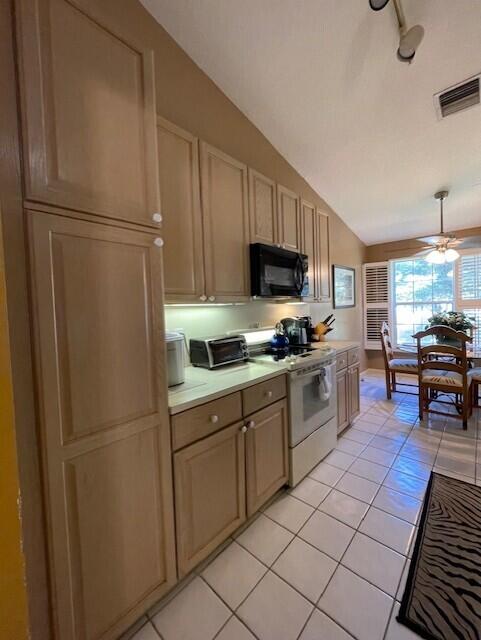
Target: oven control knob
(214, 419)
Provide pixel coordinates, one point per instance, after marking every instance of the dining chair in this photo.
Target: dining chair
(475, 375)
(393, 365)
(443, 370)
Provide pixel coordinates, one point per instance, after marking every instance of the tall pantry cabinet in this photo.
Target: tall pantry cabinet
(92, 211)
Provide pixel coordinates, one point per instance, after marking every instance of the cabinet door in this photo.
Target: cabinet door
(104, 427)
(88, 106)
(263, 208)
(289, 219)
(354, 392)
(226, 225)
(267, 455)
(210, 498)
(342, 400)
(323, 266)
(182, 218)
(308, 221)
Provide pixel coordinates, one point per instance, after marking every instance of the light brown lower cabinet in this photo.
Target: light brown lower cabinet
(210, 500)
(342, 400)
(104, 429)
(267, 467)
(225, 477)
(348, 389)
(354, 393)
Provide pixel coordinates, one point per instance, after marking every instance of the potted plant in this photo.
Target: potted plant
(457, 320)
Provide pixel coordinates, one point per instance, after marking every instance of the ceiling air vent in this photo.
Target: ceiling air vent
(457, 98)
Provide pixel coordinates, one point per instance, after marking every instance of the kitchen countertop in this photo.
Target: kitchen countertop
(202, 385)
(339, 345)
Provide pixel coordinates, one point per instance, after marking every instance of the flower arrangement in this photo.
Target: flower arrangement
(457, 320)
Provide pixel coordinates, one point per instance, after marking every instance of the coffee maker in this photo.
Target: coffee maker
(298, 329)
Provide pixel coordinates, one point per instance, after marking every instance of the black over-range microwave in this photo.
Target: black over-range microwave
(278, 273)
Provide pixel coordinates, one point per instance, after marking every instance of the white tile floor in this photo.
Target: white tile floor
(329, 559)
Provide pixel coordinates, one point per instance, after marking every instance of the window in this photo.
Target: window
(419, 290)
(468, 290)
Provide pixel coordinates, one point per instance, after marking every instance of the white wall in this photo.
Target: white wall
(197, 321)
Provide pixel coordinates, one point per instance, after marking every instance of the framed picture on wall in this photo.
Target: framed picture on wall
(344, 285)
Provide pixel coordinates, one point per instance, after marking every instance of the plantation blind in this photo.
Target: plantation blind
(468, 291)
(375, 277)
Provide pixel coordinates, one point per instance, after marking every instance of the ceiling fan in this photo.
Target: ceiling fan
(443, 247)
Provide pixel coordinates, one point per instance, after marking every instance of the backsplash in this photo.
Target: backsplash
(198, 321)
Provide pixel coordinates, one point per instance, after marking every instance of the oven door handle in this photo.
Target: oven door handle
(309, 374)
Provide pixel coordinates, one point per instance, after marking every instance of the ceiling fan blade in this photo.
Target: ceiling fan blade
(432, 239)
(424, 251)
(472, 242)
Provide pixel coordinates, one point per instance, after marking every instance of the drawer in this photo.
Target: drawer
(341, 361)
(194, 424)
(353, 356)
(263, 394)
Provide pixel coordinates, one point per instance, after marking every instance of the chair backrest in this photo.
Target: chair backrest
(386, 344)
(452, 351)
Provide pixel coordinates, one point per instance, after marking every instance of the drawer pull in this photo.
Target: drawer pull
(214, 419)
(268, 394)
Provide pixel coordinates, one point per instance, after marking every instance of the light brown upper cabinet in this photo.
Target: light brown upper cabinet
(289, 219)
(88, 107)
(182, 216)
(323, 264)
(226, 225)
(309, 241)
(267, 466)
(104, 429)
(263, 208)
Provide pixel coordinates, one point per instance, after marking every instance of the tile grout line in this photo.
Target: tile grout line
(355, 529)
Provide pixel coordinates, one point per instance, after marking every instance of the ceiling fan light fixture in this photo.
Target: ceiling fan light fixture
(451, 255)
(436, 257)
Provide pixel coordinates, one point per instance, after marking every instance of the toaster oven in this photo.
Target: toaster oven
(218, 351)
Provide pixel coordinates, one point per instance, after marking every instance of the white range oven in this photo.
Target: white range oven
(311, 374)
(313, 415)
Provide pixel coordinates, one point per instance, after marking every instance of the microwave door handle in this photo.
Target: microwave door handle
(300, 275)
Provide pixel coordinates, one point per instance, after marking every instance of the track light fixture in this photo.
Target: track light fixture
(409, 39)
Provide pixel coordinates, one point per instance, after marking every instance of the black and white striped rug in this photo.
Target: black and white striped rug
(442, 599)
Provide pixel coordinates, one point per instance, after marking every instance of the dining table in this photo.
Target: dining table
(473, 353)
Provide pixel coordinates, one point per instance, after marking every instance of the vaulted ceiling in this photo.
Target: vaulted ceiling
(321, 80)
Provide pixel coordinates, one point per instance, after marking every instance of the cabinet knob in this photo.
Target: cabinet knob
(268, 394)
(211, 298)
(157, 217)
(203, 298)
(251, 424)
(159, 242)
(214, 419)
(243, 429)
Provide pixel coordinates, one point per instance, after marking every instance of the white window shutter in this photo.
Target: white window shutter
(375, 286)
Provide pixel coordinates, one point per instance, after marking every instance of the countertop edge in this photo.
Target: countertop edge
(225, 391)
